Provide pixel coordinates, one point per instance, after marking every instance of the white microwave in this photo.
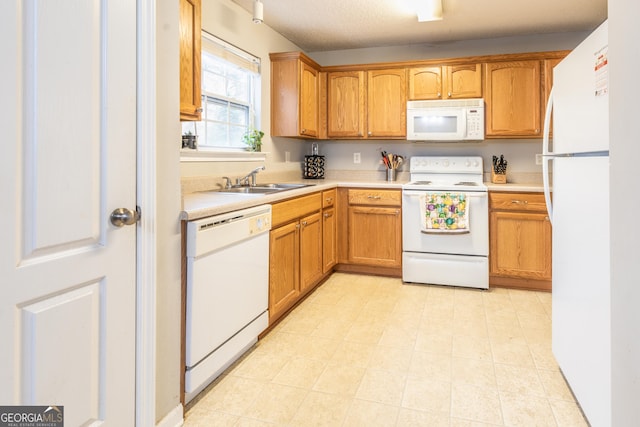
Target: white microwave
(446, 120)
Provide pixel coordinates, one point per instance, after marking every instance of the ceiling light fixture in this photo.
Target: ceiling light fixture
(429, 10)
(257, 12)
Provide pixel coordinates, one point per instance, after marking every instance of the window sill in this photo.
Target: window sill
(187, 155)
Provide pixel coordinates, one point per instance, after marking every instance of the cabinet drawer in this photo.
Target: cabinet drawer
(529, 202)
(375, 197)
(292, 209)
(328, 198)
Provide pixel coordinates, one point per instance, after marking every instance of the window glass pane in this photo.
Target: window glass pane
(239, 90)
(217, 134)
(234, 73)
(217, 111)
(235, 135)
(213, 83)
(212, 64)
(239, 114)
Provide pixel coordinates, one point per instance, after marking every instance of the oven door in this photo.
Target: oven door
(475, 242)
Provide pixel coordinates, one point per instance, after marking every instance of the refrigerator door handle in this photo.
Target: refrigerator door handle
(545, 156)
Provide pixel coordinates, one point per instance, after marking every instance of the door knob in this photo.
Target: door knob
(123, 216)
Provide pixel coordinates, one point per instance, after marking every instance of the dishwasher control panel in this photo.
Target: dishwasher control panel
(259, 223)
(216, 232)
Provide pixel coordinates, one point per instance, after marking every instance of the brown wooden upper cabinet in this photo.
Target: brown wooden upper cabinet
(445, 82)
(295, 95)
(512, 94)
(190, 57)
(387, 103)
(346, 116)
(367, 104)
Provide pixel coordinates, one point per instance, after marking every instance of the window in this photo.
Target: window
(230, 94)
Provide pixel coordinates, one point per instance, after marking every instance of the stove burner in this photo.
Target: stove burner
(469, 183)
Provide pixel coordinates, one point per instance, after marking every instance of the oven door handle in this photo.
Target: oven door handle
(470, 194)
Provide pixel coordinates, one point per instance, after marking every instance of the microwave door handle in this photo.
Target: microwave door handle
(464, 124)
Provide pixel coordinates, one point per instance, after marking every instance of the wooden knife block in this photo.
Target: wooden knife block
(498, 178)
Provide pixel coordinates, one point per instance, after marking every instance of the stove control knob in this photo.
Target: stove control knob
(445, 163)
(467, 163)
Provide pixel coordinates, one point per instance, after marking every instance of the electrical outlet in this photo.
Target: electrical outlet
(287, 156)
(538, 159)
(356, 158)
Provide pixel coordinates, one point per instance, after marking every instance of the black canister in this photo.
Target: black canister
(313, 167)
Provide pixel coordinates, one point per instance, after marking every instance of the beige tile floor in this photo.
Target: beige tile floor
(371, 351)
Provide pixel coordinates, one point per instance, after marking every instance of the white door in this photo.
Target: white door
(68, 132)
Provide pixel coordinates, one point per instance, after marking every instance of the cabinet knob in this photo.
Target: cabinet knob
(304, 223)
(369, 133)
(329, 199)
(439, 95)
(328, 215)
(449, 94)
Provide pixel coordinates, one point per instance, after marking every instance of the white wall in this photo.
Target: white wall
(167, 209)
(624, 59)
(414, 52)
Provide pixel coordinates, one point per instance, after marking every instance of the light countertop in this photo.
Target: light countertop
(207, 203)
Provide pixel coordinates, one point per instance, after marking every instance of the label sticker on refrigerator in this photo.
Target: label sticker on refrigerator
(602, 71)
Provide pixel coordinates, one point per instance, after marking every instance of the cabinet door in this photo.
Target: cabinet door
(310, 251)
(345, 104)
(387, 103)
(329, 241)
(425, 83)
(520, 245)
(309, 99)
(284, 269)
(190, 36)
(512, 95)
(463, 81)
(375, 236)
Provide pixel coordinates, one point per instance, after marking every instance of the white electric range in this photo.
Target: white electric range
(456, 258)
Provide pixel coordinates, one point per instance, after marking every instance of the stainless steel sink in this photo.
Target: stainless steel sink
(263, 188)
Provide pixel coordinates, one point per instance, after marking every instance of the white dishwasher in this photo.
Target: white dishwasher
(227, 291)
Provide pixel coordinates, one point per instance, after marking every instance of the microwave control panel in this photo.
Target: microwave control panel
(475, 123)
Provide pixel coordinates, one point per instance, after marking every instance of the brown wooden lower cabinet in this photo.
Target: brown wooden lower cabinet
(370, 231)
(520, 241)
(295, 253)
(284, 269)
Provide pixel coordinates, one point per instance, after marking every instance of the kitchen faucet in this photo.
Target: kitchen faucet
(245, 179)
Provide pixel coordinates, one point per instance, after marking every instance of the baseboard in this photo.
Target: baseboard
(175, 418)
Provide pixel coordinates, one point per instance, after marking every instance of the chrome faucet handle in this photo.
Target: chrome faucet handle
(251, 175)
(227, 182)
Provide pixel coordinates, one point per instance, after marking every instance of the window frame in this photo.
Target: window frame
(232, 55)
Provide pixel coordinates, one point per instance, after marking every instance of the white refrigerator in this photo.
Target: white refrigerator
(577, 154)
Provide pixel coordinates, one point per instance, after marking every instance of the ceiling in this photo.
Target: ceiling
(324, 25)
